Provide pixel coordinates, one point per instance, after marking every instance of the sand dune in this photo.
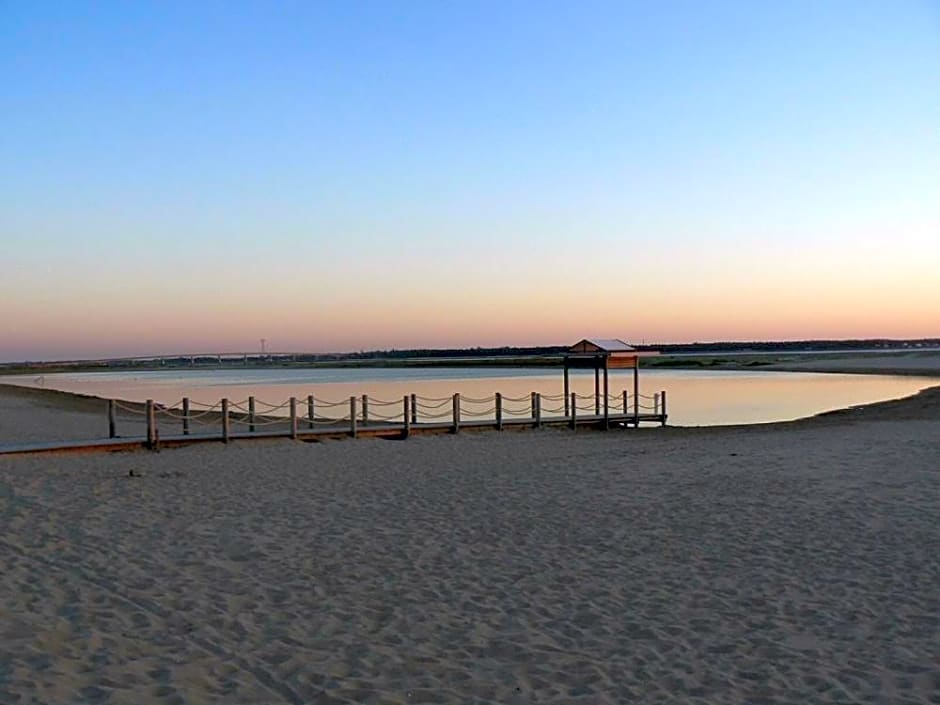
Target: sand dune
(790, 563)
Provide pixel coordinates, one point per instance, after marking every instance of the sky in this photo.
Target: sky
(183, 177)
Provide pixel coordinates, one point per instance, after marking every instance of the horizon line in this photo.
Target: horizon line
(375, 351)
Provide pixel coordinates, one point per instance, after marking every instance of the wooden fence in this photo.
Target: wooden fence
(363, 415)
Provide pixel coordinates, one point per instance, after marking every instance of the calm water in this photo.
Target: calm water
(695, 397)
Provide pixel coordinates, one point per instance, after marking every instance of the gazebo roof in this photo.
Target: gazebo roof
(601, 345)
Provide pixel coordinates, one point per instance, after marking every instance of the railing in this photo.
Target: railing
(294, 417)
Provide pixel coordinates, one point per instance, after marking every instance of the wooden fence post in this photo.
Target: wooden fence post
(574, 410)
(151, 425)
(625, 402)
(225, 426)
(532, 404)
(406, 415)
(251, 414)
(538, 410)
(365, 409)
(499, 411)
(456, 413)
(636, 408)
(112, 430)
(566, 393)
(293, 418)
(185, 416)
(353, 428)
(311, 412)
(663, 408)
(414, 408)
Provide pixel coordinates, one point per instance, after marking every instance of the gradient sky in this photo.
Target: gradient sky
(333, 176)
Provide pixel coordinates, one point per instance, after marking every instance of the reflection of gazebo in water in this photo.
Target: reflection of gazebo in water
(604, 354)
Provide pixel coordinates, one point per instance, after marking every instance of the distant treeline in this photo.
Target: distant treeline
(793, 346)
(504, 351)
(665, 348)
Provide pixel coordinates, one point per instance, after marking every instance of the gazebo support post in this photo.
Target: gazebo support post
(567, 392)
(606, 398)
(636, 392)
(597, 387)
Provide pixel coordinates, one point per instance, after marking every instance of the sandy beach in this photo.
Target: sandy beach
(915, 362)
(30, 415)
(784, 563)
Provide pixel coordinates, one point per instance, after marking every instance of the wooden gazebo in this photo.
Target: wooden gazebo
(603, 354)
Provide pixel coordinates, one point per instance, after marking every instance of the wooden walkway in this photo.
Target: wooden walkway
(394, 430)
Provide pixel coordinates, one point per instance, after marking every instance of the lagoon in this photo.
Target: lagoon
(696, 397)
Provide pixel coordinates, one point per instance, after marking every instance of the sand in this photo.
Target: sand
(787, 563)
(897, 363)
(44, 415)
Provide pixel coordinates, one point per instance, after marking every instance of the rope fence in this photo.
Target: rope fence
(298, 415)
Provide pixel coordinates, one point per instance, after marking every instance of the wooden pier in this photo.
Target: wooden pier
(311, 419)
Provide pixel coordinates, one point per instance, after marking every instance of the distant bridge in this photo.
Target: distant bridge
(191, 358)
(216, 359)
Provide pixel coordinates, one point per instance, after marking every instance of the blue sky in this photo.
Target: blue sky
(347, 175)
